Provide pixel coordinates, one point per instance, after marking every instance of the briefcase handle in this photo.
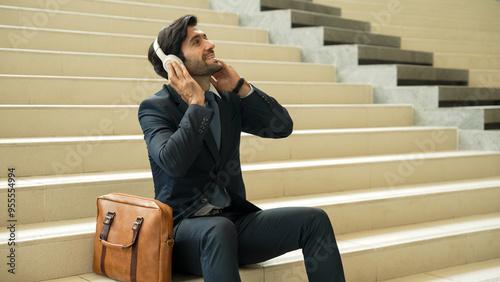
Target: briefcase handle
(108, 219)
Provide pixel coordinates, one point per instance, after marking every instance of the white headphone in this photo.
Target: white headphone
(165, 58)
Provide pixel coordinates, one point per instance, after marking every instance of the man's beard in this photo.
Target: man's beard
(201, 68)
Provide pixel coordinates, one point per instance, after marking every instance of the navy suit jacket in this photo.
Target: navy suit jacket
(184, 157)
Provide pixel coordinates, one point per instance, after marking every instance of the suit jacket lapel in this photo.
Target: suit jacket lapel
(209, 138)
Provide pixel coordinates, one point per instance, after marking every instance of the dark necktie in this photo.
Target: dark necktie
(219, 197)
(215, 123)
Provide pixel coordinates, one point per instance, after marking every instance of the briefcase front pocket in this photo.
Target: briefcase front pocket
(134, 239)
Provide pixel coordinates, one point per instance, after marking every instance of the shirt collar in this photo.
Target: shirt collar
(212, 88)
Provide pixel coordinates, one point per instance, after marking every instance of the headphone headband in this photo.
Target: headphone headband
(159, 52)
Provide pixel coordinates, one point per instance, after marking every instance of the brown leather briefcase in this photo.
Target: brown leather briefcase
(134, 239)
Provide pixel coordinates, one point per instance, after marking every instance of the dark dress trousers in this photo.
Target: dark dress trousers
(187, 167)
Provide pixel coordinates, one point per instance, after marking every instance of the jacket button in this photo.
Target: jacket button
(200, 131)
(204, 200)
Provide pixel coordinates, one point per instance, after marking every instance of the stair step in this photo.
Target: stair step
(488, 270)
(290, 178)
(74, 194)
(418, 248)
(59, 63)
(487, 116)
(379, 55)
(468, 96)
(436, 33)
(484, 78)
(299, 5)
(136, 9)
(46, 156)
(467, 61)
(382, 249)
(97, 42)
(403, 75)
(460, 4)
(491, 117)
(13, 16)
(334, 36)
(315, 30)
(401, 206)
(412, 9)
(425, 21)
(438, 96)
(451, 46)
(192, 3)
(408, 75)
(97, 120)
(64, 90)
(304, 18)
(462, 107)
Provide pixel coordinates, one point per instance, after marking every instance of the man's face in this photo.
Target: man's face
(199, 53)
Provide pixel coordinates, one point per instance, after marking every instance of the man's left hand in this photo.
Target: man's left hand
(226, 80)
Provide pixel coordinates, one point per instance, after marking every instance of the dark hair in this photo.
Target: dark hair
(170, 39)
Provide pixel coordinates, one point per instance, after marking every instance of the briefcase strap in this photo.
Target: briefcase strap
(133, 262)
(103, 237)
(108, 219)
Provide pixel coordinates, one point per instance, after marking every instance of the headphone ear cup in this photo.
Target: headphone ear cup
(171, 58)
(164, 58)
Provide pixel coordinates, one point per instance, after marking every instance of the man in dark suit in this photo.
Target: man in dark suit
(192, 129)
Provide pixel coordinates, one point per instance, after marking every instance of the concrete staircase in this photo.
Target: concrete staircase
(402, 198)
(461, 34)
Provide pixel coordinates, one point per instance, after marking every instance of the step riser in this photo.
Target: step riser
(46, 90)
(73, 91)
(440, 34)
(450, 47)
(128, 10)
(351, 117)
(325, 179)
(70, 201)
(81, 22)
(422, 21)
(88, 64)
(107, 43)
(465, 61)
(312, 146)
(89, 156)
(408, 9)
(484, 78)
(26, 122)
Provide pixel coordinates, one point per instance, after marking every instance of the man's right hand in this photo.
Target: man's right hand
(184, 84)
